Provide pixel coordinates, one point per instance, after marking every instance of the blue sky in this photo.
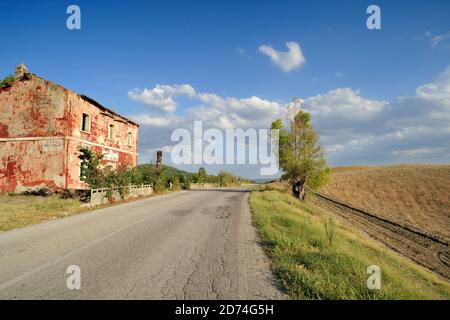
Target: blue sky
(214, 47)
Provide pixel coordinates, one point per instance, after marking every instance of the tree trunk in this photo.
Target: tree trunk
(298, 189)
(303, 193)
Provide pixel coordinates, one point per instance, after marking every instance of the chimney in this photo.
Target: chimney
(21, 70)
(158, 161)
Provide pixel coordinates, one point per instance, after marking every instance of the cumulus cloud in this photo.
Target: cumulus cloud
(286, 60)
(353, 129)
(344, 103)
(231, 112)
(155, 121)
(438, 89)
(161, 97)
(357, 130)
(214, 110)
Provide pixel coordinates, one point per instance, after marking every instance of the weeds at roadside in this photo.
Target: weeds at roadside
(317, 258)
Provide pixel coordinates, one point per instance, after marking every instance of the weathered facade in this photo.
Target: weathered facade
(43, 125)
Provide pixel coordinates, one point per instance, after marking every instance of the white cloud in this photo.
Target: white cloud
(161, 97)
(287, 61)
(437, 89)
(343, 103)
(231, 112)
(354, 129)
(438, 39)
(155, 121)
(409, 129)
(333, 148)
(215, 111)
(421, 152)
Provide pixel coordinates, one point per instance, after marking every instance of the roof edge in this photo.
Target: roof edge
(90, 100)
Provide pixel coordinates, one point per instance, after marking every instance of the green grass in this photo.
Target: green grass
(316, 257)
(19, 211)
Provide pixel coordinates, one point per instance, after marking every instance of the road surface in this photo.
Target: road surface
(186, 245)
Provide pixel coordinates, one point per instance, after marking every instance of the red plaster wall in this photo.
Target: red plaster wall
(40, 124)
(32, 108)
(28, 165)
(98, 135)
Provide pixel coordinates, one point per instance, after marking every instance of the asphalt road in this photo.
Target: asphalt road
(186, 245)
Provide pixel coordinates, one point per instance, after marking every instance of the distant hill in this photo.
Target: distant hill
(417, 195)
(177, 171)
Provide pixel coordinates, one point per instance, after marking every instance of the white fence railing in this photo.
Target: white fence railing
(102, 196)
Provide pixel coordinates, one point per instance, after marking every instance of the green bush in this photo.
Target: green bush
(97, 176)
(7, 81)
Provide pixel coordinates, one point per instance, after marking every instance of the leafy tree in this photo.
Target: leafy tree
(202, 177)
(91, 173)
(175, 182)
(226, 179)
(159, 185)
(212, 179)
(185, 182)
(118, 179)
(143, 175)
(301, 157)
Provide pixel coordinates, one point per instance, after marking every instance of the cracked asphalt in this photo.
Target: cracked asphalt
(185, 245)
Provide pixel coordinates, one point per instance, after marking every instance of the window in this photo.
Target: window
(86, 123)
(111, 131)
(130, 138)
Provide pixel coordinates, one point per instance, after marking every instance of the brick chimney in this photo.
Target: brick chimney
(21, 70)
(158, 165)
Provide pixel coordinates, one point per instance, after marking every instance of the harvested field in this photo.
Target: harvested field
(417, 196)
(425, 249)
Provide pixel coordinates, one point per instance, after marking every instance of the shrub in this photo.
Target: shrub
(7, 81)
(98, 176)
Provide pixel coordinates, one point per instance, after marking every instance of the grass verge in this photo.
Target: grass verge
(317, 257)
(18, 211)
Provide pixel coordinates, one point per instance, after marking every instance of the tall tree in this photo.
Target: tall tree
(301, 157)
(202, 177)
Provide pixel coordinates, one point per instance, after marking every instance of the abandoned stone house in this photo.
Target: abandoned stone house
(43, 125)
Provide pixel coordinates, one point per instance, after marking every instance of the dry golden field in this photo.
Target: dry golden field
(413, 195)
